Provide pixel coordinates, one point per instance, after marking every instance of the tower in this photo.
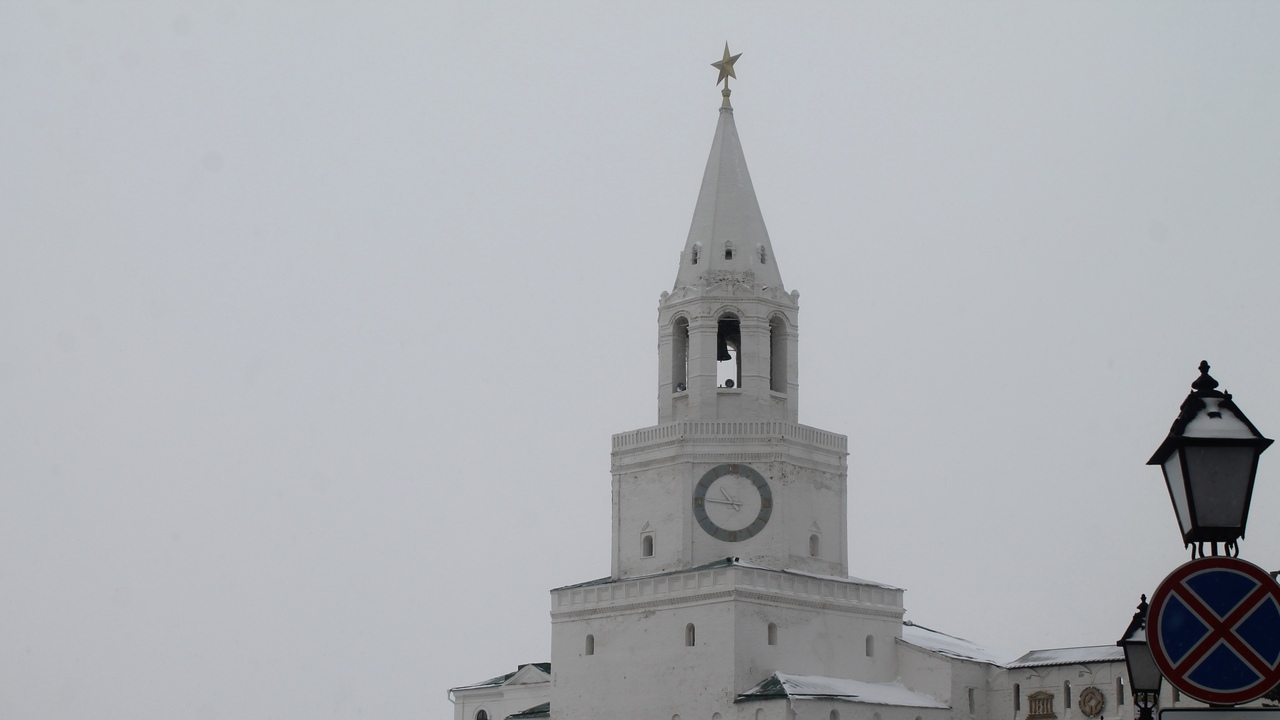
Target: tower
(729, 545)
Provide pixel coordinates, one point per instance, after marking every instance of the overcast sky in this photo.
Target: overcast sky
(316, 318)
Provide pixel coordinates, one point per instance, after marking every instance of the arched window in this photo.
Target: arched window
(1120, 692)
(778, 355)
(763, 255)
(482, 715)
(759, 713)
(728, 250)
(1066, 694)
(773, 634)
(1177, 694)
(693, 254)
(728, 351)
(680, 355)
(591, 644)
(1017, 697)
(871, 646)
(814, 547)
(833, 715)
(972, 704)
(646, 545)
(689, 636)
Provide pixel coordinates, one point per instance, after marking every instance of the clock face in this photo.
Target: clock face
(732, 502)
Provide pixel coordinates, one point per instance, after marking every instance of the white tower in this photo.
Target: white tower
(729, 554)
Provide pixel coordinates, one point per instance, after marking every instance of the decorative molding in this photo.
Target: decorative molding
(1092, 702)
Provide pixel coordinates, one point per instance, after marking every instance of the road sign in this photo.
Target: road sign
(1214, 630)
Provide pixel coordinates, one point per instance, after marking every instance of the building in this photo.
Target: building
(729, 594)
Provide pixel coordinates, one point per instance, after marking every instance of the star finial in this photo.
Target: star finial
(725, 66)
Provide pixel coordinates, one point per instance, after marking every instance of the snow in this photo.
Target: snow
(947, 645)
(812, 687)
(1070, 656)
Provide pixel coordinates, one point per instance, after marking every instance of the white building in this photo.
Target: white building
(729, 594)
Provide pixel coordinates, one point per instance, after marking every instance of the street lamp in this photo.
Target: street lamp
(1210, 459)
(1144, 676)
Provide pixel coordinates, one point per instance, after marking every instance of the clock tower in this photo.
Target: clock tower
(729, 545)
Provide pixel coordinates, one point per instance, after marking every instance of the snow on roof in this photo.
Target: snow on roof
(946, 645)
(812, 687)
(727, 562)
(1070, 656)
(501, 679)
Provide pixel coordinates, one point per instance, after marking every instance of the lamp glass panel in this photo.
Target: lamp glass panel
(1144, 676)
(1219, 483)
(1178, 490)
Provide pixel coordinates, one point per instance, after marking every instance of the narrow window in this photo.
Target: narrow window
(1177, 694)
(813, 546)
(763, 256)
(693, 254)
(1120, 691)
(1066, 694)
(646, 546)
(971, 703)
(482, 715)
(728, 251)
(773, 634)
(680, 355)
(833, 715)
(777, 355)
(591, 644)
(871, 646)
(728, 351)
(689, 635)
(759, 713)
(1017, 697)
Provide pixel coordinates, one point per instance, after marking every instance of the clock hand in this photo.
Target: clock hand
(732, 502)
(724, 502)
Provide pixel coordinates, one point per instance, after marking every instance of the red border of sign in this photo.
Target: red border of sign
(1161, 596)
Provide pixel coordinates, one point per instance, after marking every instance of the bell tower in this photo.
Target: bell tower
(728, 471)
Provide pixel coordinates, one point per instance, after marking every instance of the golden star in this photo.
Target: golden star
(725, 66)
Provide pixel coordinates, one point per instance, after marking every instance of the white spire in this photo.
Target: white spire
(728, 232)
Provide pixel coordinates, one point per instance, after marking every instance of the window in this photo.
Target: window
(693, 254)
(728, 250)
(972, 707)
(689, 635)
(1017, 697)
(1040, 705)
(833, 715)
(763, 255)
(1066, 694)
(1177, 695)
(482, 715)
(813, 546)
(728, 351)
(773, 634)
(591, 645)
(646, 545)
(679, 354)
(1120, 691)
(871, 646)
(777, 355)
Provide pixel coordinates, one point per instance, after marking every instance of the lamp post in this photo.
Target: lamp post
(1210, 458)
(1144, 676)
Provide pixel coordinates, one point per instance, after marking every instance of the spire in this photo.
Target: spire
(728, 232)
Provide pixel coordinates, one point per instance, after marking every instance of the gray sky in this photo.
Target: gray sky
(315, 318)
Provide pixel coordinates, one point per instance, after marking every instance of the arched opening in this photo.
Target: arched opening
(482, 715)
(728, 351)
(1120, 692)
(833, 715)
(591, 645)
(728, 250)
(973, 705)
(1066, 694)
(778, 355)
(764, 256)
(1017, 697)
(689, 635)
(814, 546)
(871, 646)
(773, 634)
(694, 253)
(759, 713)
(680, 355)
(646, 546)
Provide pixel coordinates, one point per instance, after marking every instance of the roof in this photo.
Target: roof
(537, 711)
(727, 562)
(1070, 656)
(727, 211)
(812, 687)
(545, 667)
(946, 645)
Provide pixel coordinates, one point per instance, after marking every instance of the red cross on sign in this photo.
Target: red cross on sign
(1214, 630)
